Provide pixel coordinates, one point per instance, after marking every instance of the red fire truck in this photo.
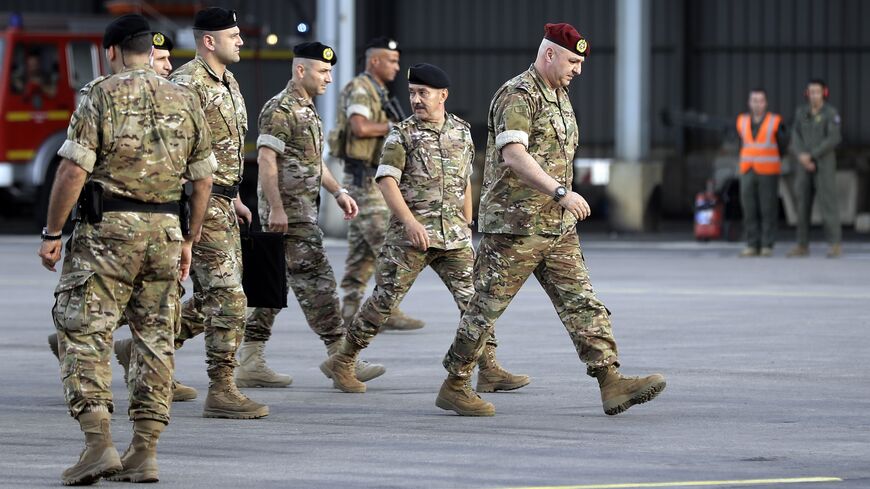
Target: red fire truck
(40, 76)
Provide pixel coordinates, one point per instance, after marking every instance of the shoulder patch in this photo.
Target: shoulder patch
(836, 119)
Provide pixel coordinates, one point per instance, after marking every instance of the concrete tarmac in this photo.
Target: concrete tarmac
(766, 361)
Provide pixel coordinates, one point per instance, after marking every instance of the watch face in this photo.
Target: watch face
(561, 191)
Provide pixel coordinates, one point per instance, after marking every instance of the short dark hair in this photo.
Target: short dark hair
(758, 90)
(817, 81)
(138, 44)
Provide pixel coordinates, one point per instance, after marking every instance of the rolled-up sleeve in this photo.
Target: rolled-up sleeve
(83, 134)
(513, 120)
(393, 156)
(275, 126)
(201, 163)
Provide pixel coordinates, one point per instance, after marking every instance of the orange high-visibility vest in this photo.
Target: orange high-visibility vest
(760, 154)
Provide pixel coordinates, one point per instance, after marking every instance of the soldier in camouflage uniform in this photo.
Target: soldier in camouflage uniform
(218, 304)
(814, 138)
(365, 120)
(529, 219)
(290, 158)
(135, 136)
(424, 174)
(159, 60)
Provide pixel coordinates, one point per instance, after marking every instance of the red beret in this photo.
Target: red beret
(566, 35)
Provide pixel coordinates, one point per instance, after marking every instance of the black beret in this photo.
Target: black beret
(124, 28)
(161, 41)
(315, 50)
(383, 43)
(429, 75)
(214, 19)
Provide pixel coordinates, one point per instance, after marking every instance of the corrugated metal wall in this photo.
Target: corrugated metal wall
(706, 55)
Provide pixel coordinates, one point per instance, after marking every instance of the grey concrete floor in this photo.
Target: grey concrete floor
(766, 362)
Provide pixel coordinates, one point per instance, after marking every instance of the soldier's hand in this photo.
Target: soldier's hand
(348, 205)
(806, 160)
(277, 220)
(186, 258)
(242, 212)
(49, 251)
(576, 204)
(417, 234)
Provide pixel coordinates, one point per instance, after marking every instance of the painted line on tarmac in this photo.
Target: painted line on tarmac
(738, 293)
(744, 482)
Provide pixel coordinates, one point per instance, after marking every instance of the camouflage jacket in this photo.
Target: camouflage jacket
(137, 134)
(362, 98)
(524, 110)
(432, 166)
(289, 125)
(225, 113)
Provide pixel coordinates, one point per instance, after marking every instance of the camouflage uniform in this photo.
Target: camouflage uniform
(432, 166)
(528, 232)
(365, 233)
(138, 135)
(218, 303)
(818, 135)
(290, 125)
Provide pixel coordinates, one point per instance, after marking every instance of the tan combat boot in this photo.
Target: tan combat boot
(225, 401)
(456, 395)
(99, 458)
(766, 252)
(835, 251)
(492, 377)
(124, 351)
(140, 459)
(400, 322)
(619, 393)
(798, 251)
(748, 251)
(340, 367)
(181, 392)
(253, 371)
(365, 371)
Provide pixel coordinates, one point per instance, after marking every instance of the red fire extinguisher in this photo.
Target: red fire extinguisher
(709, 211)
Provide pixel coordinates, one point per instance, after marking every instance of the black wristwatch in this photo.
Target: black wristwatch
(559, 193)
(51, 237)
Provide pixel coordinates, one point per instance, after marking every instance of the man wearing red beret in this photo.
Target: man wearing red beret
(528, 217)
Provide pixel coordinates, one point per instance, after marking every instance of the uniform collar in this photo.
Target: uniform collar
(142, 67)
(432, 126)
(296, 91)
(227, 74)
(549, 93)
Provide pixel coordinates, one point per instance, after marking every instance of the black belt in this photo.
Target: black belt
(129, 205)
(228, 191)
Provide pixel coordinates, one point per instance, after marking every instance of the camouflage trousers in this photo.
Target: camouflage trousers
(398, 268)
(217, 307)
(310, 276)
(128, 262)
(504, 262)
(365, 236)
